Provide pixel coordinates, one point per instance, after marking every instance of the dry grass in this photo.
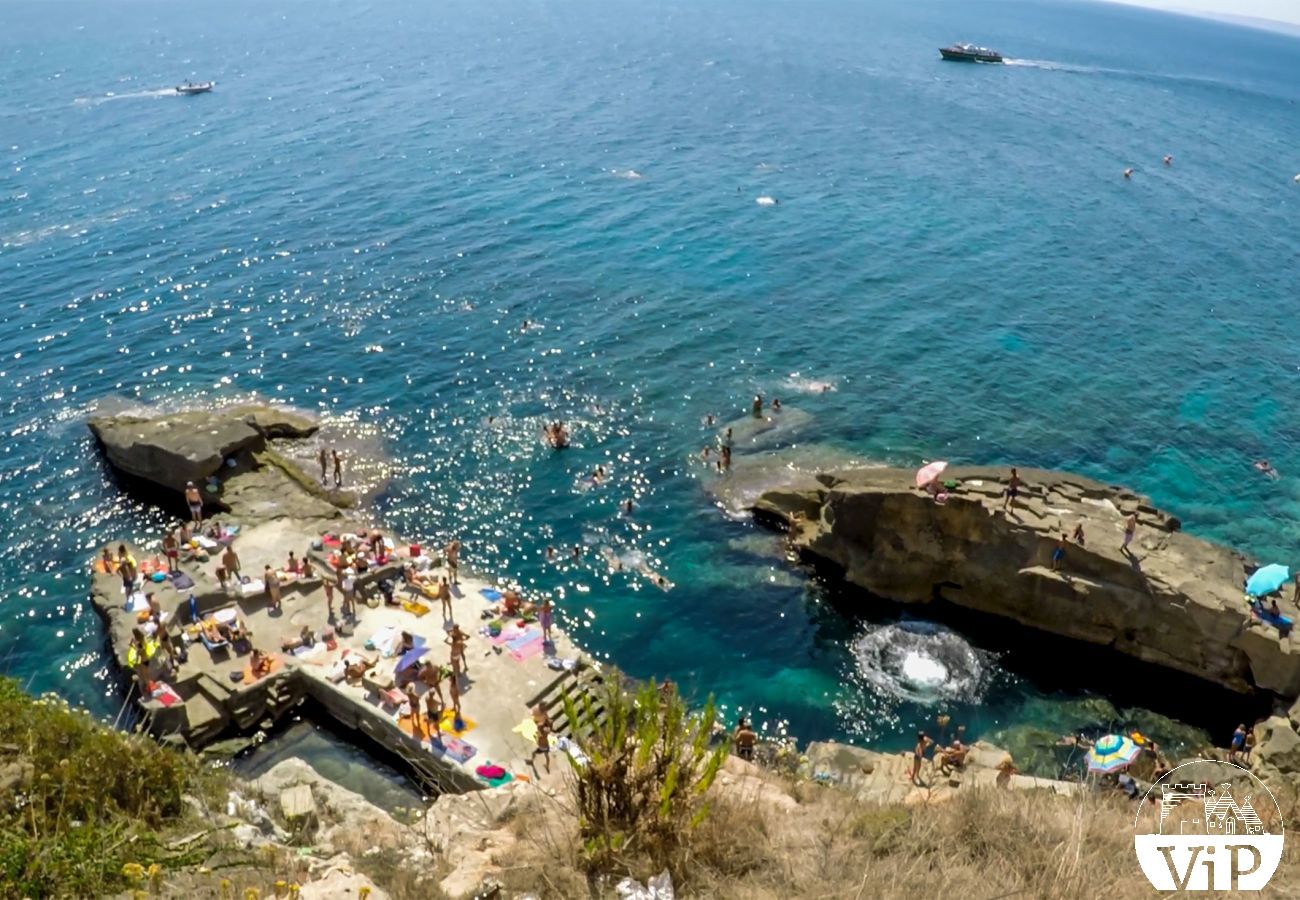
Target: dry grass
(777, 839)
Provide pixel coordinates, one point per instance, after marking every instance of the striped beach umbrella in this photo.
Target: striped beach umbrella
(1111, 753)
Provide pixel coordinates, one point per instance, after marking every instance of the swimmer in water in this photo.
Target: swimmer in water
(704, 453)
(1128, 173)
(550, 553)
(709, 420)
(776, 404)
(627, 507)
(727, 437)
(577, 551)
(1266, 468)
(1169, 159)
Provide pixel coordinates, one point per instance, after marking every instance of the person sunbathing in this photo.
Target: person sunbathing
(354, 671)
(953, 757)
(214, 632)
(511, 603)
(261, 663)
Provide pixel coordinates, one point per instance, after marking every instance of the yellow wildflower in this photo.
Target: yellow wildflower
(133, 871)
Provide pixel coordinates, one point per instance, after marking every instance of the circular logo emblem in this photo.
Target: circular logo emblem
(1209, 825)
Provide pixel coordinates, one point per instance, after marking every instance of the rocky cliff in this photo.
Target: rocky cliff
(1174, 600)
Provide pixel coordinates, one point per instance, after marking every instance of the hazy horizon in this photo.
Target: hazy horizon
(1284, 13)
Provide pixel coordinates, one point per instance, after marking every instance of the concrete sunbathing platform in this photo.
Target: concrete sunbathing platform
(206, 703)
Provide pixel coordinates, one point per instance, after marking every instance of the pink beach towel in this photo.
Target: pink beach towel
(527, 650)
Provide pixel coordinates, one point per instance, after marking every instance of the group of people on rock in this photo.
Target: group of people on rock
(330, 458)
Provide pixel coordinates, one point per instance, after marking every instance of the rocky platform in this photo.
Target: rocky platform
(229, 453)
(1175, 601)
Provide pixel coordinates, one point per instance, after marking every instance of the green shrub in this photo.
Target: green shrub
(651, 762)
(82, 800)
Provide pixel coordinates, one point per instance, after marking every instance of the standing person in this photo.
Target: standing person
(1238, 744)
(452, 552)
(725, 462)
(272, 588)
(329, 597)
(444, 597)
(1130, 529)
(230, 562)
(745, 738)
(413, 701)
(1078, 535)
(543, 744)
(126, 567)
(195, 502)
(323, 456)
(544, 615)
(349, 586)
(338, 469)
(453, 690)
(1059, 553)
(431, 675)
(433, 707)
(923, 743)
(1013, 488)
(1250, 745)
(456, 638)
(757, 406)
(171, 550)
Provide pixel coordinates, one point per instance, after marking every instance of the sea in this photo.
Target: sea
(440, 226)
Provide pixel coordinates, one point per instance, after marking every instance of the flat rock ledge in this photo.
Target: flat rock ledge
(228, 453)
(1175, 600)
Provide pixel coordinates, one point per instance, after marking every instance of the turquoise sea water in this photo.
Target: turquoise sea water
(377, 197)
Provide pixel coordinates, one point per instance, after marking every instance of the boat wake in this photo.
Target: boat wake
(133, 95)
(921, 662)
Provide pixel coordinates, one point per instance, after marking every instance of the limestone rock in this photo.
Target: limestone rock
(172, 449)
(1277, 746)
(1176, 601)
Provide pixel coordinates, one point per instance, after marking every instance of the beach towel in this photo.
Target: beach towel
(382, 639)
(504, 778)
(455, 749)
(447, 723)
(526, 650)
(1281, 623)
(490, 595)
(330, 540)
(181, 581)
(528, 728)
(524, 636)
(137, 602)
(276, 665)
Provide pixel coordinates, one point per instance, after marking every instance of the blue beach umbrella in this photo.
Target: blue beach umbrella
(1267, 580)
(1112, 752)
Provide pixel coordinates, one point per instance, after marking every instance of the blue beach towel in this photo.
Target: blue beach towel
(490, 595)
(528, 636)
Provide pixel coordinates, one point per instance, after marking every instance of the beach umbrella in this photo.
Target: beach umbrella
(1267, 580)
(410, 656)
(930, 472)
(1112, 752)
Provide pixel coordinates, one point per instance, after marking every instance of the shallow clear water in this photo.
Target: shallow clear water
(363, 216)
(337, 759)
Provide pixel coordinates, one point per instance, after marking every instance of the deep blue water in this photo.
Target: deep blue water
(363, 215)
